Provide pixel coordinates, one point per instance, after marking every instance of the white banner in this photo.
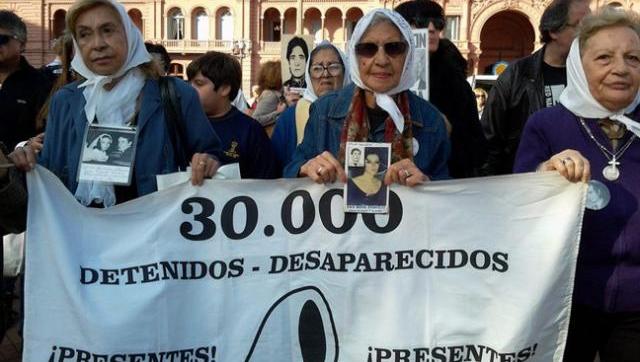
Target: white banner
(476, 270)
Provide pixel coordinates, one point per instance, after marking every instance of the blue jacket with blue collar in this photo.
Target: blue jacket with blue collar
(326, 119)
(67, 123)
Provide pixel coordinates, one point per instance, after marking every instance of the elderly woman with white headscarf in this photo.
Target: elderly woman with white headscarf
(378, 108)
(593, 135)
(326, 71)
(119, 88)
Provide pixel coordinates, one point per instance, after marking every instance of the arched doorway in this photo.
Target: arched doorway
(333, 25)
(271, 25)
(313, 23)
(353, 15)
(58, 23)
(506, 36)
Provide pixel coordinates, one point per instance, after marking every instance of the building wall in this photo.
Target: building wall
(257, 22)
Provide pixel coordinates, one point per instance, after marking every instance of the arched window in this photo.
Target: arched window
(201, 25)
(176, 70)
(136, 17)
(175, 26)
(225, 24)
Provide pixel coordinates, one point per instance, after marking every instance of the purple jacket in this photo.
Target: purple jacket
(608, 271)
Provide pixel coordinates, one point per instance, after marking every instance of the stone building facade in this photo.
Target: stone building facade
(485, 31)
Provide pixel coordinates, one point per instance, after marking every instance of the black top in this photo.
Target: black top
(453, 96)
(22, 95)
(555, 79)
(244, 141)
(376, 116)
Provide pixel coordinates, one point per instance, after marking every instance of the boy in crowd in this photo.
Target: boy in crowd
(216, 77)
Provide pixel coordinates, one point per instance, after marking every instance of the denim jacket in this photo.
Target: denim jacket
(326, 119)
(67, 123)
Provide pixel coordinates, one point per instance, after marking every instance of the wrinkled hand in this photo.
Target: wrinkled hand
(291, 97)
(202, 166)
(24, 158)
(323, 168)
(405, 172)
(36, 142)
(571, 165)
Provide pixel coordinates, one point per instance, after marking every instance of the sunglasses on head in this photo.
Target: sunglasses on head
(392, 49)
(438, 23)
(5, 38)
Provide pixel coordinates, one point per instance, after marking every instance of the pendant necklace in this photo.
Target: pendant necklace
(611, 172)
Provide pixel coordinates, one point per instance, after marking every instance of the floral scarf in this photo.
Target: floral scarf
(356, 128)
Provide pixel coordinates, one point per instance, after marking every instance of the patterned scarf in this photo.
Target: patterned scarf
(356, 128)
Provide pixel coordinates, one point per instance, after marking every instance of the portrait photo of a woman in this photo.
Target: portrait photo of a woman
(99, 148)
(367, 190)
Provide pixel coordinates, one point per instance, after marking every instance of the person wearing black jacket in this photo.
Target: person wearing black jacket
(23, 89)
(530, 84)
(449, 90)
(13, 216)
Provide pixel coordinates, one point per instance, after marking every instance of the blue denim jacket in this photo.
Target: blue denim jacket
(67, 123)
(326, 120)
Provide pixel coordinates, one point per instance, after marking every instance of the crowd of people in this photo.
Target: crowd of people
(570, 107)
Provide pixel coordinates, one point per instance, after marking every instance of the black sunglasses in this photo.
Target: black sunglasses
(4, 38)
(438, 23)
(393, 49)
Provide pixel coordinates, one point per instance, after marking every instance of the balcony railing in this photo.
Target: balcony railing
(274, 47)
(195, 46)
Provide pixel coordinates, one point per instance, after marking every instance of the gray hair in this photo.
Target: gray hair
(607, 17)
(554, 18)
(13, 23)
(323, 46)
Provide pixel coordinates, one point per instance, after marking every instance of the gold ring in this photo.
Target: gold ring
(406, 173)
(319, 170)
(202, 163)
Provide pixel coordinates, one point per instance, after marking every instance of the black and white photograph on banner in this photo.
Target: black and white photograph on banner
(421, 86)
(355, 157)
(108, 154)
(365, 189)
(295, 52)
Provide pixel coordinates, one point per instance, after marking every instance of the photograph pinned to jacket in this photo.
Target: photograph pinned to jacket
(421, 64)
(108, 154)
(366, 165)
(295, 53)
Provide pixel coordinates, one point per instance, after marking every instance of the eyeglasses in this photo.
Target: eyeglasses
(393, 49)
(5, 38)
(317, 70)
(438, 23)
(568, 25)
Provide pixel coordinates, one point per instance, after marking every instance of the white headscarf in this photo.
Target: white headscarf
(309, 93)
(408, 78)
(577, 98)
(115, 107)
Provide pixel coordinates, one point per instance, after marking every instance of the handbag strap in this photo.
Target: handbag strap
(173, 117)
